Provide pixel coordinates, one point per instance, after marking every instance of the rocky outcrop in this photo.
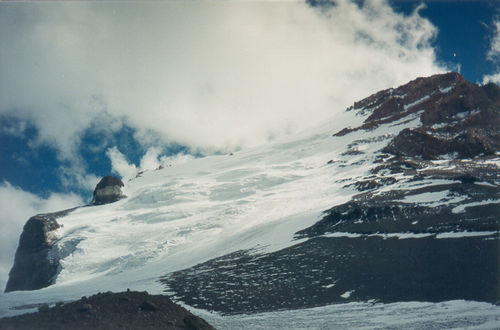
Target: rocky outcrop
(108, 190)
(422, 144)
(36, 265)
(124, 310)
(393, 212)
(456, 117)
(34, 268)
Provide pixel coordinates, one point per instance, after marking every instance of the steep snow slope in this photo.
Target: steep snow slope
(201, 208)
(214, 227)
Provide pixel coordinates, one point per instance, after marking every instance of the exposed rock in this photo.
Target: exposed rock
(422, 144)
(373, 183)
(352, 152)
(109, 311)
(415, 142)
(33, 267)
(43, 308)
(390, 213)
(456, 117)
(193, 322)
(147, 306)
(86, 307)
(344, 131)
(319, 271)
(108, 190)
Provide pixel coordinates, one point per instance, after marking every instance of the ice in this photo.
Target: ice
(428, 197)
(338, 234)
(464, 114)
(487, 184)
(440, 125)
(461, 234)
(423, 99)
(457, 314)
(405, 183)
(461, 208)
(413, 235)
(347, 294)
(383, 235)
(433, 199)
(447, 89)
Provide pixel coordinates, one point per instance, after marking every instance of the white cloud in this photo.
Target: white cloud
(494, 78)
(150, 159)
(120, 165)
(75, 177)
(210, 75)
(494, 52)
(494, 55)
(175, 159)
(17, 207)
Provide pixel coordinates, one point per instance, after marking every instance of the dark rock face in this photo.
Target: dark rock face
(108, 190)
(420, 143)
(388, 213)
(328, 270)
(124, 310)
(456, 115)
(33, 267)
(440, 97)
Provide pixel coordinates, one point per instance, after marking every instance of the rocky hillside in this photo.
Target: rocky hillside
(423, 227)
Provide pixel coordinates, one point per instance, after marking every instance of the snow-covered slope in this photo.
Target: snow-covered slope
(197, 209)
(247, 232)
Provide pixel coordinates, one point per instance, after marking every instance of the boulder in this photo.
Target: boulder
(108, 190)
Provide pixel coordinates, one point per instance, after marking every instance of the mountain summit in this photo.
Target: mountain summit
(396, 200)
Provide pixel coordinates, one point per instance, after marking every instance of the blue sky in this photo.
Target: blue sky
(465, 33)
(90, 88)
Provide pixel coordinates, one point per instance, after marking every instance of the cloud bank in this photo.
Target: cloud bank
(17, 207)
(208, 75)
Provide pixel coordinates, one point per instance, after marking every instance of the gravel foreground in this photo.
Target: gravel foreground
(124, 310)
